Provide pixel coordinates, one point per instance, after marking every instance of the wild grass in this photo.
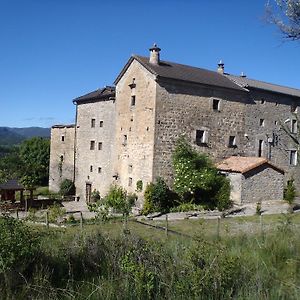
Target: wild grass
(101, 262)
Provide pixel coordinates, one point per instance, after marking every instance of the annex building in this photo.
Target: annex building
(126, 133)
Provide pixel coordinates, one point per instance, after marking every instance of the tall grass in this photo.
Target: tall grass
(97, 266)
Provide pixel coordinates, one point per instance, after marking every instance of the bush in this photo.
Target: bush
(18, 249)
(118, 199)
(158, 197)
(290, 192)
(223, 195)
(95, 196)
(67, 187)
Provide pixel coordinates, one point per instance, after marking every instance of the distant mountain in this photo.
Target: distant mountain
(14, 136)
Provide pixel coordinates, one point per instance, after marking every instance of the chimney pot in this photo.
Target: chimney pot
(220, 67)
(154, 55)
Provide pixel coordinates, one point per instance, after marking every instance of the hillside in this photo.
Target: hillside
(13, 136)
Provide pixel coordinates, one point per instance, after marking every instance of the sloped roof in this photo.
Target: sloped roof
(63, 126)
(243, 164)
(12, 184)
(181, 72)
(251, 83)
(100, 94)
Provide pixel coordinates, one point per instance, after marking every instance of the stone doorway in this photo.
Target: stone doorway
(88, 192)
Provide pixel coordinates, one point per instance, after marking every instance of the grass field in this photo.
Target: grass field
(99, 261)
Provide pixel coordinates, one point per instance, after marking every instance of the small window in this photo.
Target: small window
(61, 158)
(216, 104)
(293, 158)
(294, 126)
(260, 148)
(91, 168)
(124, 140)
(276, 122)
(130, 169)
(261, 122)
(92, 145)
(130, 181)
(294, 108)
(100, 146)
(93, 123)
(62, 138)
(101, 123)
(201, 137)
(99, 170)
(132, 100)
(232, 141)
(262, 101)
(276, 103)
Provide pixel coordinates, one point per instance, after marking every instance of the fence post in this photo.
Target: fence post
(47, 219)
(167, 225)
(81, 221)
(261, 225)
(218, 227)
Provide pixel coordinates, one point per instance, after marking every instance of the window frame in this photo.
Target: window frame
(293, 157)
(92, 145)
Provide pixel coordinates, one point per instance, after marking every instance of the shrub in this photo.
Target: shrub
(18, 248)
(290, 192)
(95, 196)
(55, 212)
(158, 197)
(67, 187)
(118, 199)
(139, 185)
(223, 195)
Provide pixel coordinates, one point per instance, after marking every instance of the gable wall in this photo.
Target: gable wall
(137, 123)
(262, 184)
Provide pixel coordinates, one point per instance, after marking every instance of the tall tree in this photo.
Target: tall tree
(34, 154)
(285, 14)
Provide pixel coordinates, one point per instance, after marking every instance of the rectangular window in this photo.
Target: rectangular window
(62, 138)
(261, 122)
(201, 137)
(99, 170)
(92, 145)
(232, 141)
(132, 100)
(216, 104)
(130, 169)
(130, 181)
(124, 140)
(293, 158)
(100, 146)
(93, 122)
(91, 168)
(260, 148)
(294, 126)
(101, 124)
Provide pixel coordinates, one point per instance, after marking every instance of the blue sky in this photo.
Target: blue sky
(52, 51)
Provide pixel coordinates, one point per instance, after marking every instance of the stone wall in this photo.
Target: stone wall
(61, 155)
(262, 184)
(275, 111)
(134, 128)
(94, 166)
(183, 108)
(235, 187)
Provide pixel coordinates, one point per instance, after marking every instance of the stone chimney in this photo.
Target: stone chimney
(221, 67)
(154, 55)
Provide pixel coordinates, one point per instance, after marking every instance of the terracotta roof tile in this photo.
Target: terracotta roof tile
(241, 164)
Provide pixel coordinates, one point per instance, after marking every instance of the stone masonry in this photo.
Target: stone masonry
(155, 102)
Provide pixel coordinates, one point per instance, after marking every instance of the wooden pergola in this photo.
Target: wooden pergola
(8, 191)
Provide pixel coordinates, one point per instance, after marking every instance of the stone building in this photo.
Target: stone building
(126, 134)
(253, 179)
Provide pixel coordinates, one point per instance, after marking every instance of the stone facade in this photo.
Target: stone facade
(154, 104)
(61, 155)
(261, 184)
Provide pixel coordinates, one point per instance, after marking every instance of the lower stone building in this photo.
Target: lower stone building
(252, 179)
(126, 133)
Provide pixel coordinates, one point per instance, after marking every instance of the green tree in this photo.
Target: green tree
(285, 14)
(11, 165)
(34, 154)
